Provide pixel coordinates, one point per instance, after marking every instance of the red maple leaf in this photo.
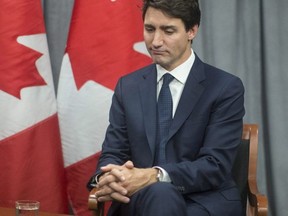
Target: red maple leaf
(17, 62)
(101, 39)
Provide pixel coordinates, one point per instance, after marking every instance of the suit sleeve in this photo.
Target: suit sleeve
(115, 148)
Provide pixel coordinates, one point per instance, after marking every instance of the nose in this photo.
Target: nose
(157, 39)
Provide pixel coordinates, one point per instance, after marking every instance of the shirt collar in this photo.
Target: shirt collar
(181, 72)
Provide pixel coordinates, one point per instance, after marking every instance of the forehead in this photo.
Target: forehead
(156, 18)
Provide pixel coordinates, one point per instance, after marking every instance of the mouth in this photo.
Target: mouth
(157, 52)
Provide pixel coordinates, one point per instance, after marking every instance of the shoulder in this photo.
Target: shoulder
(136, 77)
(215, 80)
(141, 72)
(132, 81)
(214, 74)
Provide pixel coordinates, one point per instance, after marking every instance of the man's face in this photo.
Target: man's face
(166, 39)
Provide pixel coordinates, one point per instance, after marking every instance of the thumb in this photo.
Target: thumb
(129, 164)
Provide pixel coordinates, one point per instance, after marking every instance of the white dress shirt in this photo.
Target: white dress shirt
(180, 75)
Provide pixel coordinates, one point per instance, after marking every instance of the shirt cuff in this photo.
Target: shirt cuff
(92, 183)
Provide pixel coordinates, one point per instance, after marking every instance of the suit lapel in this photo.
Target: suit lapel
(148, 102)
(191, 94)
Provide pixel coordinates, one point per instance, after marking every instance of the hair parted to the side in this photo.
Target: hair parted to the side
(186, 10)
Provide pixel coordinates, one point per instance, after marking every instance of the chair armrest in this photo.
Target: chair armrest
(257, 202)
(96, 207)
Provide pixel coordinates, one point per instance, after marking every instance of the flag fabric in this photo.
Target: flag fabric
(105, 42)
(31, 160)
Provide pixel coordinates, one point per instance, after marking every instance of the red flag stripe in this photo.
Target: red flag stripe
(32, 167)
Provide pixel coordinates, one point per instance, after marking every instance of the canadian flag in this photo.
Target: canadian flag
(31, 161)
(105, 42)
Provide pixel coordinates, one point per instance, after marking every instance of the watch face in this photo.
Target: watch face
(160, 176)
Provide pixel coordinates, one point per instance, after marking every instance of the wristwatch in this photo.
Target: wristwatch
(159, 176)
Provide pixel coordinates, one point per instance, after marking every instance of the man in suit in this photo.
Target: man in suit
(188, 172)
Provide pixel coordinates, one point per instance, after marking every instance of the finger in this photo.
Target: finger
(116, 187)
(105, 180)
(120, 197)
(106, 168)
(111, 188)
(109, 167)
(104, 191)
(104, 198)
(118, 174)
(113, 196)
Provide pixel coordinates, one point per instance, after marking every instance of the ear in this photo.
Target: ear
(192, 32)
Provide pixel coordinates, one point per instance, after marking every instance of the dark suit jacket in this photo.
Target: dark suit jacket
(203, 137)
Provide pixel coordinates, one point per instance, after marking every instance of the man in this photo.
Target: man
(185, 168)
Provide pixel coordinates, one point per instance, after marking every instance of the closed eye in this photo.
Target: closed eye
(149, 28)
(169, 29)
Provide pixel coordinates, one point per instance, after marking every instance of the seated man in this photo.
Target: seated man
(175, 127)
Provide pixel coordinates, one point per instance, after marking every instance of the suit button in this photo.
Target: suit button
(181, 188)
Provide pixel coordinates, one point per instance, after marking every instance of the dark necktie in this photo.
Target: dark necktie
(165, 107)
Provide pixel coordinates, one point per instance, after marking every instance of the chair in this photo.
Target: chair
(244, 171)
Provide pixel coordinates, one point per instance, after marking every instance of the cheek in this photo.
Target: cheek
(175, 42)
(181, 45)
(175, 47)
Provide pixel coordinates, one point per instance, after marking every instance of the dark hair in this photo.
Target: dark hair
(186, 10)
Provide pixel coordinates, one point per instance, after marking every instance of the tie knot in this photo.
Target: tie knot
(167, 78)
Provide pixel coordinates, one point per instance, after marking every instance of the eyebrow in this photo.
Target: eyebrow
(163, 27)
(168, 27)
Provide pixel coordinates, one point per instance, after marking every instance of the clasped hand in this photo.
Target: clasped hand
(120, 182)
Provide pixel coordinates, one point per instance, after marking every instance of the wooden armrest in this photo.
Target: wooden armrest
(257, 202)
(94, 205)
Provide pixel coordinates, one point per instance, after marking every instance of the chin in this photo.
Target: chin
(158, 60)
